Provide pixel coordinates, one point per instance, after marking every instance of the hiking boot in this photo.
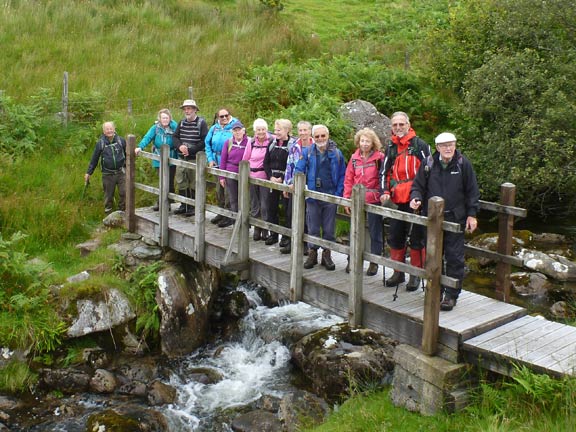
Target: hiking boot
(286, 249)
(312, 259)
(264, 235)
(225, 222)
(372, 269)
(413, 283)
(306, 249)
(156, 207)
(396, 279)
(448, 303)
(285, 241)
(347, 269)
(189, 212)
(272, 239)
(257, 234)
(181, 210)
(216, 219)
(327, 260)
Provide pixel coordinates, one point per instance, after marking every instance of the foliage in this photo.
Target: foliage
(276, 5)
(144, 284)
(18, 124)
(16, 376)
(27, 318)
(512, 63)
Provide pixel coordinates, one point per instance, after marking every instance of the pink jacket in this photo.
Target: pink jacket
(366, 172)
(254, 154)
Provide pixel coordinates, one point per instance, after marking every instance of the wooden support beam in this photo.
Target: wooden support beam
(243, 216)
(505, 234)
(130, 184)
(163, 198)
(297, 246)
(200, 208)
(357, 242)
(434, 251)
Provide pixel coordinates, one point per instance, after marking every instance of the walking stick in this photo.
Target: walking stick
(86, 184)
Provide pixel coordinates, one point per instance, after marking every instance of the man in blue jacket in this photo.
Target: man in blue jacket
(324, 166)
(449, 175)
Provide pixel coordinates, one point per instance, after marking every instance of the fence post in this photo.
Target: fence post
(244, 214)
(200, 208)
(65, 99)
(505, 235)
(435, 236)
(357, 241)
(296, 257)
(163, 202)
(190, 92)
(130, 184)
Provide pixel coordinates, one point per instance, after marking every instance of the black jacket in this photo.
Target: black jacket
(456, 184)
(112, 155)
(192, 135)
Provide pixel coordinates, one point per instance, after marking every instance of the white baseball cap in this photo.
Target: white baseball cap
(445, 137)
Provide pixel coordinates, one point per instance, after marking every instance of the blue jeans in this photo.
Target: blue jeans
(321, 215)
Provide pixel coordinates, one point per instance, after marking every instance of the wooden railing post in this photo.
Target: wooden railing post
(163, 196)
(298, 218)
(200, 207)
(244, 214)
(434, 252)
(131, 184)
(505, 235)
(357, 241)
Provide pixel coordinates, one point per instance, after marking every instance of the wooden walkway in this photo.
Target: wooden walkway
(479, 330)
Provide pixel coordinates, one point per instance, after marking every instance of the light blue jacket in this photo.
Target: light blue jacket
(308, 162)
(217, 136)
(161, 137)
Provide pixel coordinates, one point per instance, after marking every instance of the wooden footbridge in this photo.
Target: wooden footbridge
(481, 330)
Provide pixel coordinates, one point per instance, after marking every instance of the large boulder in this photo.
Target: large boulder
(184, 299)
(363, 114)
(338, 357)
(100, 312)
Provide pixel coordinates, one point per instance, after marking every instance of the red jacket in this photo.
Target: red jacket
(366, 172)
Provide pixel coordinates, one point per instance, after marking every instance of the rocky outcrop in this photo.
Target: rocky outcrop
(340, 357)
(363, 114)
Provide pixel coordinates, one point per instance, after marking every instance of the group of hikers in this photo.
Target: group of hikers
(403, 174)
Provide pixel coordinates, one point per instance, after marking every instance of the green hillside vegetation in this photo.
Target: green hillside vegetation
(500, 74)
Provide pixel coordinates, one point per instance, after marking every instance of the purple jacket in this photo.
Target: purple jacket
(232, 153)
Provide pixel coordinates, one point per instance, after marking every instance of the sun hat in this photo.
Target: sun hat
(445, 137)
(190, 103)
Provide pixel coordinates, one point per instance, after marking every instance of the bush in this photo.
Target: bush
(18, 124)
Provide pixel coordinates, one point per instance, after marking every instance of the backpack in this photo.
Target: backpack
(113, 155)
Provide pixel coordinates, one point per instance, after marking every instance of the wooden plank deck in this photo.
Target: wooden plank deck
(400, 319)
(542, 345)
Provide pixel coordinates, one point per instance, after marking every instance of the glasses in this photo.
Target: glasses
(223, 116)
(320, 136)
(398, 124)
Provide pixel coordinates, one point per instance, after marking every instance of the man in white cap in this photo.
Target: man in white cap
(189, 140)
(449, 175)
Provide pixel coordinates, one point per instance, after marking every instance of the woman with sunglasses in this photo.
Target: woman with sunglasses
(219, 133)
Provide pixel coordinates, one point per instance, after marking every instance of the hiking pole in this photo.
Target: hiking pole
(86, 184)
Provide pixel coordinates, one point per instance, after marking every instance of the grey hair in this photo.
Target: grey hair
(319, 126)
(260, 122)
(401, 113)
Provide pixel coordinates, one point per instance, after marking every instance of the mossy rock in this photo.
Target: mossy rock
(111, 421)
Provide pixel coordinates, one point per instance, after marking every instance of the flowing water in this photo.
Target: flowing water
(255, 364)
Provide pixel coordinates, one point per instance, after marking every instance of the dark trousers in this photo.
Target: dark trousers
(375, 229)
(109, 184)
(454, 260)
(275, 200)
(398, 232)
(259, 201)
(321, 215)
(289, 214)
(232, 188)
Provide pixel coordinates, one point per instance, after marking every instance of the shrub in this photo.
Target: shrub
(18, 124)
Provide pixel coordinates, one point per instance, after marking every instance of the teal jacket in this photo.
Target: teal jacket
(217, 136)
(161, 137)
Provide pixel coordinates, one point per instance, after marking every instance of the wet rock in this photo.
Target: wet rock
(530, 284)
(3, 428)
(111, 421)
(259, 420)
(147, 252)
(363, 114)
(133, 388)
(142, 370)
(98, 314)
(205, 375)
(8, 403)
(561, 310)
(68, 381)
(339, 357)
(184, 300)
(130, 236)
(103, 381)
(236, 304)
(160, 393)
(302, 406)
(97, 358)
(554, 266)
